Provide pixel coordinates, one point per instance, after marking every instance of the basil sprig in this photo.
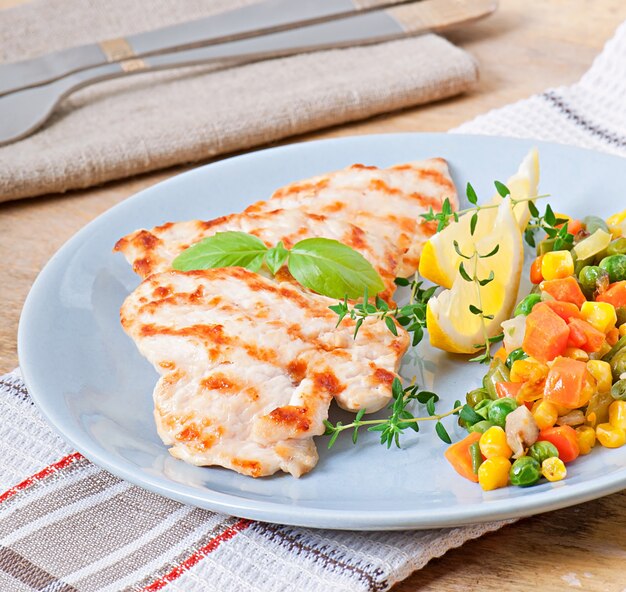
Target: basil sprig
(323, 265)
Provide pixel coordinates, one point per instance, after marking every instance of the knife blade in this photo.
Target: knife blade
(252, 20)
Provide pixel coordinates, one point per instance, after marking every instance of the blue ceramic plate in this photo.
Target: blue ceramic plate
(88, 379)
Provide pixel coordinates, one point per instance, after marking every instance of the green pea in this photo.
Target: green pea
(620, 311)
(618, 390)
(617, 247)
(516, 354)
(475, 396)
(500, 409)
(526, 305)
(525, 471)
(616, 266)
(593, 223)
(541, 450)
(481, 427)
(593, 279)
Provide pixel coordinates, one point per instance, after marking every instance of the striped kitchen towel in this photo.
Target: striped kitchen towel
(66, 525)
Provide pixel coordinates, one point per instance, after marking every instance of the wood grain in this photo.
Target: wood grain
(526, 47)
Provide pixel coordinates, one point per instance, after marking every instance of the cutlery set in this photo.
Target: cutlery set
(30, 90)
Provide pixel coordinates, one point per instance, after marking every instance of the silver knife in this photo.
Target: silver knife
(255, 19)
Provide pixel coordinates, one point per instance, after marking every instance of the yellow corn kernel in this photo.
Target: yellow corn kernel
(601, 371)
(493, 443)
(553, 469)
(557, 265)
(545, 414)
(617, 414)
(610, 436)
(528, 370)
(617, 219)
(576, 353)
(622, 330)
(586, 437)
(599, 314)
(494, 473)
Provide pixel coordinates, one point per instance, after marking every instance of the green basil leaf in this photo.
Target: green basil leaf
(332, 269)
(276, 257)
(224, 249)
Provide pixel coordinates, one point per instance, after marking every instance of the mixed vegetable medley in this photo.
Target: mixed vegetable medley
(557, 387)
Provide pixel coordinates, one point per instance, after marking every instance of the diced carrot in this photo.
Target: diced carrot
(565, 290)
(566, 310)
(585, 336)
(565, 441)
(546, 334)
(612, 336)
(577, 337)
(501, 354)
(565, 382)
(574, 226)
(508, 389)
(535, 271)
(615, 295)
(459, 456)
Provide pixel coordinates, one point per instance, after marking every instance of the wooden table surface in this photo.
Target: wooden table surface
(526, 47)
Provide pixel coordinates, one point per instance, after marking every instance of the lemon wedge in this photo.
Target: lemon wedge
(439, 261)
(451, 325)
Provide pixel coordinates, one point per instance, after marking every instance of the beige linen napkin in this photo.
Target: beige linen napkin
(120, 128)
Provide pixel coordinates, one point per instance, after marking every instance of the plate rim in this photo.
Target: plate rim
(296, 515)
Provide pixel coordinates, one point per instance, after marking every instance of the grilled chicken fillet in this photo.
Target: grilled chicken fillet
(249, 365)
(246, 381)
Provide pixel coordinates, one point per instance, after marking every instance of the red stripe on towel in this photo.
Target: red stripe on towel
(198, 555)
(46, 472)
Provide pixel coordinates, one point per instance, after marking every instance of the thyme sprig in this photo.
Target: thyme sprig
(556, 228)
(411, 316)
(446, 215)
(400, 418)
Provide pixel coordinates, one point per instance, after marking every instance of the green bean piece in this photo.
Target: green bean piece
(593, 280)
(618, 364)
(481, 427)
(545, 246)
(500, 409)
(593, 223)
(617, 247)
(598, 406)
(482, 408)
(541, 450)
(618, 390)
(620, 311)
(526, 471)
(616, 266)
(526, 305)
(516, 354)
(476, 456)
(621, 343)
(475, 396)
(498, 372)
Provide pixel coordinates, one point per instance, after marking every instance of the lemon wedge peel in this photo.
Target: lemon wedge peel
(452, 326)
(439, 261)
